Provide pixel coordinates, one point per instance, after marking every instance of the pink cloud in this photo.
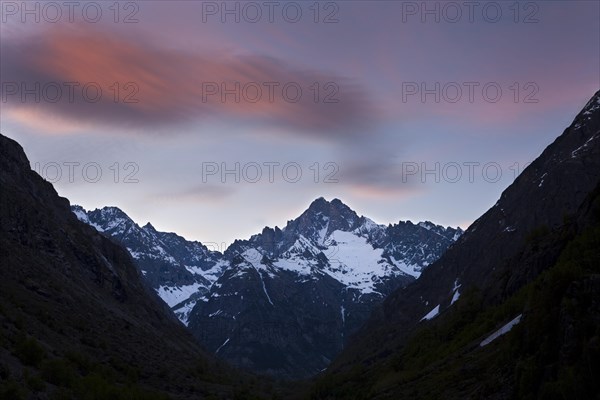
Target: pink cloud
(158, 86)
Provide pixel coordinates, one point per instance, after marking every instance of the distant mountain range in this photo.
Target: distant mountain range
(284, 301)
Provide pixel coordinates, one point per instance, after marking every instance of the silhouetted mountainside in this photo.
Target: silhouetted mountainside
(531, 262)
(76, 321)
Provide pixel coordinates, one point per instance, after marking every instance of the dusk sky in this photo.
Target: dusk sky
(403, 110)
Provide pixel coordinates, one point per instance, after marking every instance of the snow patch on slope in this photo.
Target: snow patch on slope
(183, 312)
(355, 261)
(456, 294)
(254, 257)
(578, 150)
(504, 330)
(221, 346)
(265, 289)
(432, 314)
(175, 295)
(409, 269)
(213, 273)
(81, 215)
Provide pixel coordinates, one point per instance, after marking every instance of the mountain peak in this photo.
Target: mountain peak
(322, 205)
(331, 210)
(113, 212)
(318, 203)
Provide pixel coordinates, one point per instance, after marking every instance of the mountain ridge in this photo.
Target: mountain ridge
(350, 261)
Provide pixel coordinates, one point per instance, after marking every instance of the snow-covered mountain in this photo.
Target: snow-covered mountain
(329, 238)
(284, 301)
(179, 270)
